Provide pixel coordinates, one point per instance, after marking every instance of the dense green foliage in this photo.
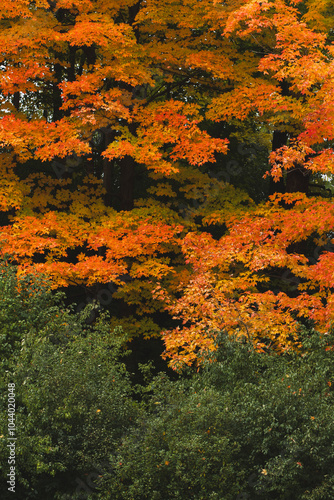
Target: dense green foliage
(73, 398)
(249, 426)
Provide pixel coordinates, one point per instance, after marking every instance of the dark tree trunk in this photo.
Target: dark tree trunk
(297, 180)
(133, 11)
(56, 98)
(127, 177)
(127, 183)
(90, 54)
(71, 67)
(16, 100)
(280, 139)
(108, 169)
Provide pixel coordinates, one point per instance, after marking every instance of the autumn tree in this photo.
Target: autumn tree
(109, 103)
(288, 52)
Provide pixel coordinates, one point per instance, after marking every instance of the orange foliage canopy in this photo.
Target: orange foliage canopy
(149, 76)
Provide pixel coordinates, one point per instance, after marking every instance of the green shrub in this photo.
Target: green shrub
(73, 396)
